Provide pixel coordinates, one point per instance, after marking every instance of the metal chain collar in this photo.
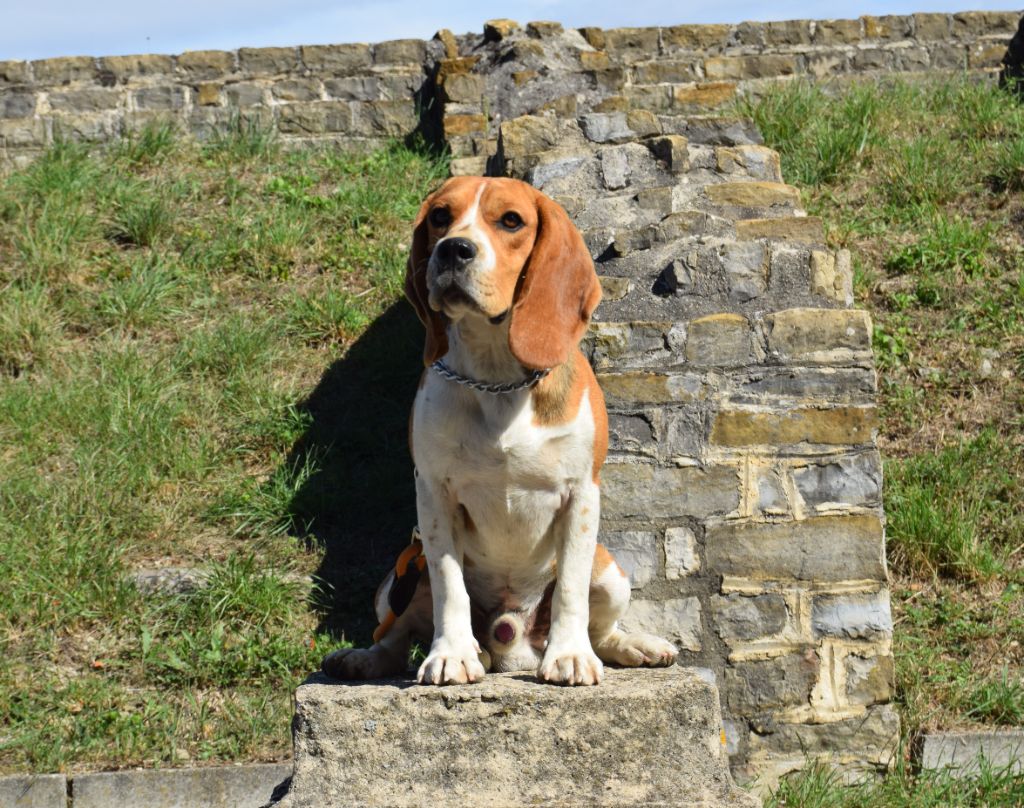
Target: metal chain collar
(486, 387)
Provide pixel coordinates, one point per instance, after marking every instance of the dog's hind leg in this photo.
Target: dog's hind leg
(609, 600)
(389, 655)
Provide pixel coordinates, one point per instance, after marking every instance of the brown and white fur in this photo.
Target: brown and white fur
(507, 486)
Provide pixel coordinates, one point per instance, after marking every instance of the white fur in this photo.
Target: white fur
(525, 487)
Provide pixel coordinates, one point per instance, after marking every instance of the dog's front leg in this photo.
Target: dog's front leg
(569, 658)
(454, 654)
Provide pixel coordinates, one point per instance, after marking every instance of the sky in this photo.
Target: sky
(35, 29)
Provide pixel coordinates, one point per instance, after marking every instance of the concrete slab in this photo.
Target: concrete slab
(216, 787)
(641, 738)
(34, 791)
(960, 752)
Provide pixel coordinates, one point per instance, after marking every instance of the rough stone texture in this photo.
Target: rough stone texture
(34, 791)
(214, 787)
(647, 737)
(959, 753)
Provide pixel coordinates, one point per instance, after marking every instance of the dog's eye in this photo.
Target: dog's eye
(511, 221)
(440, 217)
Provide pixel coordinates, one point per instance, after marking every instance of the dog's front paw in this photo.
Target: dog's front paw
(570, 666)
(635, 650)
(449, 664)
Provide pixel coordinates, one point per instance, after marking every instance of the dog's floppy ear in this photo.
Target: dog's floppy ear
(436, 344)
(558, 292)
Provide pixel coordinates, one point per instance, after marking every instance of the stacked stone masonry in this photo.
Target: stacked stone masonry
(465, 85)
(742, 493)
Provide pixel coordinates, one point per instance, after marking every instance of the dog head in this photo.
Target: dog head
(498, 248)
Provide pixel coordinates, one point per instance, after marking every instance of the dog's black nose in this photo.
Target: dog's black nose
(455, 253)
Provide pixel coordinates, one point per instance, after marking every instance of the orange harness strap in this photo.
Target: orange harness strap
(408, 569)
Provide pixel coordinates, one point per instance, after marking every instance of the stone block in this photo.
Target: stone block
(744, 617)
(750, 33)
(246, 94)
(948, 56)
(852, 480)
(833, 384)
(614, 167)
(125, 68)
(166, 97)
(594, 36)
(872, 59)
(852, 617)
(673, 151)
(17, 104)
(14, 72)
(91, 99)
(651, 97)
(589, 746)
(22, 132)
(675, 619)
(640, 387)
(206, 64)
(208, 94)
(354, 88)
(296, 90)
(315, 118)
(618, 343)
(633, 433)
(985, 55)
(636, 551)
(448, 40)
(34, 791)
(632, 490)
(400, 52)
(694, 37)
(594, 60)
(852, 426)
(931, 26)
(874, 736)
(469, 166)
(465, 88)
(64, 70)
(959, 754)
(682, 556)
(911, 59)
(819, 335)
(543, 29)
(528, 134)
(787, 228)
(248, 786)
(499, 29)
(705, 95)
(750, 67)
(667, 71)
(832, 276)
(613, 288)
(383, 119)
(788, 32)
(455, 66)
(765, 685)
(985, 23)
(685, 433)
(631, 44)
(462, 125)
(887, 27)
(837, 32)
(830, 548)
(745, 265)
(829, 63)
(338, 60)
(90, 127)
(869, 679)
(760, 162)
(268, 61)
(754, 194)
(718, 340)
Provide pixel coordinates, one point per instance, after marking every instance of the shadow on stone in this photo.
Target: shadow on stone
(360, 504)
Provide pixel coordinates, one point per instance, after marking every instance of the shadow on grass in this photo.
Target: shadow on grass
(360, 504)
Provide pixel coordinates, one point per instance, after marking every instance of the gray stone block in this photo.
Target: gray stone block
(855, 480)
(961, 753)
(675, 619)
(636, 490)
(852, 616)
(682, 557)
(770, 684)
(34, 791)
(644, 737)
(17, 105)
(741, 617)
(248, 786)
(636, 551)
(161, 98)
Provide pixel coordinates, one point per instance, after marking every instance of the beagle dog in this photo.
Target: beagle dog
(508, 434)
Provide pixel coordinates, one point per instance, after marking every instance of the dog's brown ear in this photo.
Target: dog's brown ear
(557, 294)
(436, 344)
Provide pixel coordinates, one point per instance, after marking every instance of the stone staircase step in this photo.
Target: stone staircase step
(641, 738)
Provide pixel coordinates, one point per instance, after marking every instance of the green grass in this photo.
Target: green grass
(166, 308)
(923, 182)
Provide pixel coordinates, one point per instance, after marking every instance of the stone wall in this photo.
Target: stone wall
(368, 93)
(743, 488)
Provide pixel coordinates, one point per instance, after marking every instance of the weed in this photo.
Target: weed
(140, 218)
(149, 146)
(1008, 165)
(244, 138)
(947, 245)
(30, 328)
